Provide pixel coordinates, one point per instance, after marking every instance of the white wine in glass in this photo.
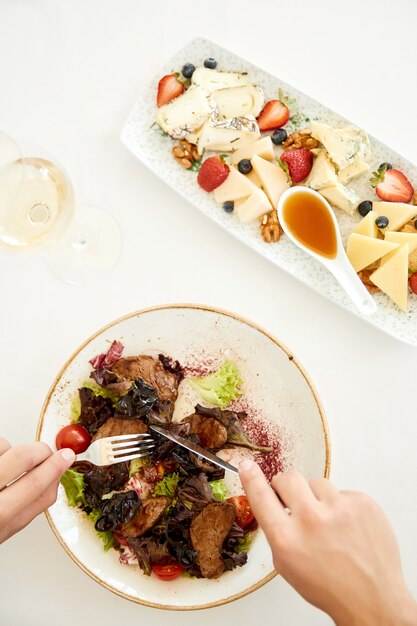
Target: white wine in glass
(37, 209)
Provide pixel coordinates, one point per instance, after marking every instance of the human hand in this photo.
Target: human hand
(335, 548)
(29, 477)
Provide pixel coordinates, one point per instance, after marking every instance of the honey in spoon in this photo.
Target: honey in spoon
(309, 221)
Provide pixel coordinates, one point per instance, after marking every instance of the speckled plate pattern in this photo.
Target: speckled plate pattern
(149, 145)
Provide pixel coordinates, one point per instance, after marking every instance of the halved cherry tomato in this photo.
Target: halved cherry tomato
(73, 436)
(120, 538)
(244, 515)
(168, 572)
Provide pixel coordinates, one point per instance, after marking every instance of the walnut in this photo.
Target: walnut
(300, 139)
(364, 276)
(185, 153)
(270, 227)
(415, 198)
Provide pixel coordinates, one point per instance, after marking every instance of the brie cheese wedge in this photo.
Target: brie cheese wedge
(212, 80)
(238, 101)
(180, 117)
(227, 135)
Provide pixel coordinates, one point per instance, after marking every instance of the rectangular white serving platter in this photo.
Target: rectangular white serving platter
(153, 149)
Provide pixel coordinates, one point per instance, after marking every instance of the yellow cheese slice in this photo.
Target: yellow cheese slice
(392, 277)
(362, 250)
(253, 207)
(262, 147)
(254, 178)
(235, 187)
(274, 179)
(398, 213)
(403, 238)
(367, 225)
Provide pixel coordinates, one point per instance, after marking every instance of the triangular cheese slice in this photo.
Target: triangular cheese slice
(367, 225)
(253, 207)
(398, 213)
(392, 277)
(362, 250)
(235, 187)
(402, 238)
(262, 147)
(254, 178)
(274, 179)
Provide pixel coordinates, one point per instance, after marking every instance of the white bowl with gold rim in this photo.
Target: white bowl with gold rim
(279, 396)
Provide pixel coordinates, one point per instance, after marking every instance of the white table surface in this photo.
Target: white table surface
(69, 74)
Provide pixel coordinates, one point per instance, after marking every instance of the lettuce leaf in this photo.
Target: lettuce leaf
(137, 464)
(167, 486)
(221, 387)
(244, 544)
(219, 489)
(97, 391)
(106, 537)
(73, 483)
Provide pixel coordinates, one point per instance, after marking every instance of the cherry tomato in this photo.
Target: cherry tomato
(244, 515)
(73, 436)
(171, 571)
(120, 538)
(413, 282)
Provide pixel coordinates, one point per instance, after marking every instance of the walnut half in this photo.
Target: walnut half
(364, 276)
(185, 153)
(300, 139)
(270, 227)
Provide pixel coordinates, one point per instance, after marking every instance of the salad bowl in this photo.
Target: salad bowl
(278, 397)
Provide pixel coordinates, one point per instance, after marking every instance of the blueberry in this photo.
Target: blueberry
(228, 206)
(387, 166)
(364, 207)
(279, 136)
(244, 166)
(382, 221)
(188, 70)
(210, 63)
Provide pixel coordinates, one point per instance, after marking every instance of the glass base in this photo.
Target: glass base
(89, 249)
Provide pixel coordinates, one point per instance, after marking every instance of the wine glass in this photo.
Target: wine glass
(37, 210)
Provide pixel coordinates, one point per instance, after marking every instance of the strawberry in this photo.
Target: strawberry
(299, 163)
(212, 173)
(274, 115)
(169, 87)
(391, 185)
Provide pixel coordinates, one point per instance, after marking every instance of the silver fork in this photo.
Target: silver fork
(110, 450)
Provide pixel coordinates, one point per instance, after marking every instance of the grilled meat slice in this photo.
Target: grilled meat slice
(208, 532)
(148, 514)
(151, 371)
(116, 426)
(211, 433)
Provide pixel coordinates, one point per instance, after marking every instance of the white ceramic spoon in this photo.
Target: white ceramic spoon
(339, 265)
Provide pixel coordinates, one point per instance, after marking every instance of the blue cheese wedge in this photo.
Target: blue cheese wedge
(341, 197)
(212, 80)
(323, 173)
(185, 114)
(344, 145)
(238, 101)
(352, 171)
(227, 135)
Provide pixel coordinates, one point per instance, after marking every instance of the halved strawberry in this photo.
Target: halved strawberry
(299, 163)
(212, 173)
(274, 115)
(391, 185)
(169, 87)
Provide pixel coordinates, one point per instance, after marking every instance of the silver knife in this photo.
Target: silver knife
(189, 445)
